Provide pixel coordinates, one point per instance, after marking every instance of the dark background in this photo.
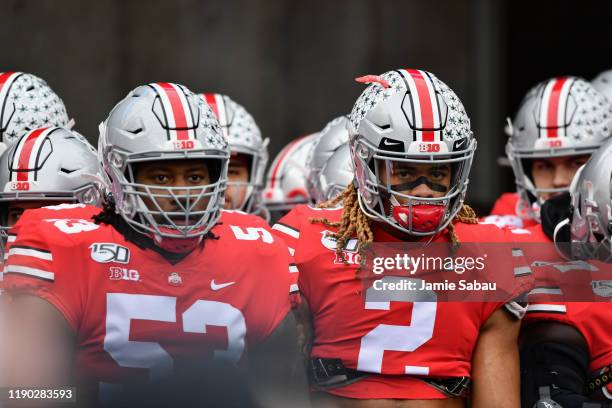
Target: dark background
(291, 63)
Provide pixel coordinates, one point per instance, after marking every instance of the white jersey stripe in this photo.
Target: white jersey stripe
(46, 256)
(286, 230)
(25, 270)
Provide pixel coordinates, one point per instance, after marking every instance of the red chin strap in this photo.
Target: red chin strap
(175, 245)
(425, 217)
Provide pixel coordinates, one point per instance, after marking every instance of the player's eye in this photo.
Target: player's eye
(404, 172)
(161, 179)
(195, 178)
(438, 174)
(541, 165)
(576, 163)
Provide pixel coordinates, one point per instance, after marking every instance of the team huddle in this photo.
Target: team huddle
(169, 252)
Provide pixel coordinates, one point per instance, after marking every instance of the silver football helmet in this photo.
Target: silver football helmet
(156, 122)
(603, 83)
(286, 180)
(336, 174)
(244, 137)
(27, 103)
(591, 195)
(409, 116)
(559, 117)
(47, 165)
(334, 135)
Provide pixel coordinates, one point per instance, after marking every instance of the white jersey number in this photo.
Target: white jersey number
(395, 337)
(122, 308)
(252, 234)
(73, 226)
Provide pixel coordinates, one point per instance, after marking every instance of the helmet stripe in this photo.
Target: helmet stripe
(176, 107)
(420, 85)
(26, 154)
(553, 107)
(217, 104)
(6, 81)
(280, 161)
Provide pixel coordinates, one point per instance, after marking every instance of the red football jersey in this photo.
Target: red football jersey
(506, 204)
(135, 314)
(505, 213)
(390, 339)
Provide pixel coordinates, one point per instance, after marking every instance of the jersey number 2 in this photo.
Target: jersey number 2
(397, 338)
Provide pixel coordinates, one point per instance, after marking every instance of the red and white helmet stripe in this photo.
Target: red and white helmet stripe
(180, 121)
(553, 108)
(280, 163)
(427, 114)
(26, 155)
(217, 104)
(6, 81)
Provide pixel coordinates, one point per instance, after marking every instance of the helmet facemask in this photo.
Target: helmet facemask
(145, 207)
(591, 237)
(414, 215)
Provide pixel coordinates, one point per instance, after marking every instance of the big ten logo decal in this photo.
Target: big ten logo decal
(20, 185)
(118, 273)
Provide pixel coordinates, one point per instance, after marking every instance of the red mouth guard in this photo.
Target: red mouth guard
(425, 217)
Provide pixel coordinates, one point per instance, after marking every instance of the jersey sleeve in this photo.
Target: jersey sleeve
(34, 266)
(288, 230)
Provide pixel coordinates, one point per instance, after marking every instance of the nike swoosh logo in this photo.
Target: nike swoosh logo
(219, 286)
(387, 143)
(461, 143)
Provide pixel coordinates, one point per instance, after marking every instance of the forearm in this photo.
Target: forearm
(495, 365)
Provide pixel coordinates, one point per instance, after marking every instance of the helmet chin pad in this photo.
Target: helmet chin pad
(425, 217)
(177, 245)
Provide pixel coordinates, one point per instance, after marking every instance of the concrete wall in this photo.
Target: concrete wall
(291, 63)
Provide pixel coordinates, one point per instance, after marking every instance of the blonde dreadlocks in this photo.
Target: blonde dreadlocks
(355, 222)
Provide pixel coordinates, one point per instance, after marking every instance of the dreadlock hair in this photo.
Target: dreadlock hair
(355, 222)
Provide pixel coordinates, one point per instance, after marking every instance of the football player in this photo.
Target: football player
(27, 103)
(560, 122)
(249, 154)
(46, 166)
(286, 180)
(412, 148)
(160, 280)
(330, 139)
(566, 349)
